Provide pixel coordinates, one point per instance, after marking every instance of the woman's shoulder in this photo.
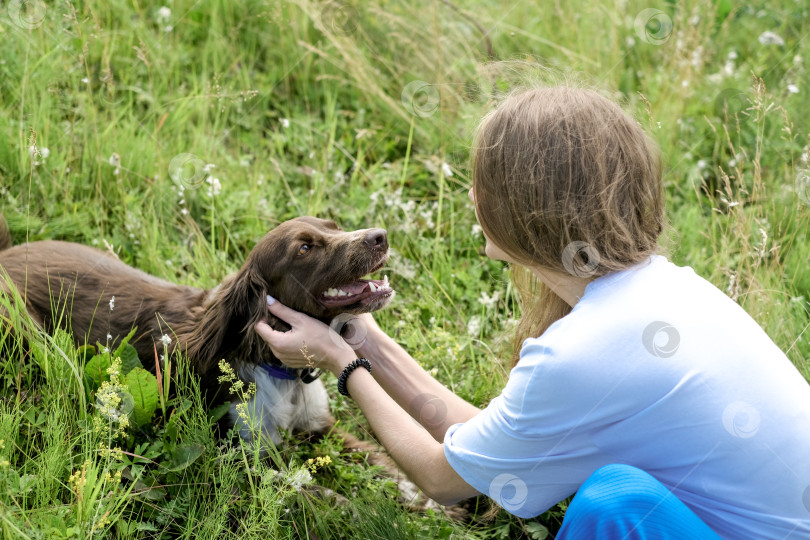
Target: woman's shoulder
(632, 313)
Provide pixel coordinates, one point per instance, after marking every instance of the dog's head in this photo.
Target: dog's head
(308, 264)
(313, 266)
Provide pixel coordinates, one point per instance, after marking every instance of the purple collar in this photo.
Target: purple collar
(280, 372)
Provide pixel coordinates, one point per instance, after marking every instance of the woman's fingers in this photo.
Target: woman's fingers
(288, 315)
(266, 332)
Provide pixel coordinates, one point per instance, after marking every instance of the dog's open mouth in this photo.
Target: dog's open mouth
(363, 291)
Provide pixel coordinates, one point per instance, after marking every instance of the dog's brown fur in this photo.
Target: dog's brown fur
(72, 286)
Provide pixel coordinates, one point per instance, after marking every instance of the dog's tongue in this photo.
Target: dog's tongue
(355, 288)
(351, 292)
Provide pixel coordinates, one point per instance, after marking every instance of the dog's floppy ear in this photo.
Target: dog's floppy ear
(228, 319)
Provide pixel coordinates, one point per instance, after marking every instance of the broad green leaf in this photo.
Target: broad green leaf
(129, 358)
(184, 455)
(143, 387)
(215, 413)
(85, 352)
(124, 342)
(537, 531)
(95, 370)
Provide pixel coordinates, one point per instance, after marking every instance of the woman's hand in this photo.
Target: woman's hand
(308, 343)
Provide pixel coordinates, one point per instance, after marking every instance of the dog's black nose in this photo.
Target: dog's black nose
(377, 238)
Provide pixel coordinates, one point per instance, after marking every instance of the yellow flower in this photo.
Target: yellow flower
(319, 462)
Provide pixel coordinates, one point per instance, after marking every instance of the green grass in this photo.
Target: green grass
(299, 106)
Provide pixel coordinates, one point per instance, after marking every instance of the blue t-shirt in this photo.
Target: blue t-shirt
(656, 368)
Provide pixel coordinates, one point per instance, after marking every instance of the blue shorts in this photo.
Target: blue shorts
(623, 502)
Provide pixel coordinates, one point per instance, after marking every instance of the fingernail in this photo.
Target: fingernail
(270, 300)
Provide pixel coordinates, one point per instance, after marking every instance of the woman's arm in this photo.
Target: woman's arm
(415, 450)
(427, 400)
(412, 448)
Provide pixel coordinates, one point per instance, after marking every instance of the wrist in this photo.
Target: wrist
(343, 378)
(337, 364)
(373, 342)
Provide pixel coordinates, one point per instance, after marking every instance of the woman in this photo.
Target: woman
(639, 385)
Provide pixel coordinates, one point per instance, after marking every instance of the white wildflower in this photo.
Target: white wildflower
(109, 337)
(474, 326)
(771, 38)
(489, 301)
(299, 478)
(163, 15)
(112, 303)
(702, 164)
(214, 186)
(792, 88)
(166, 340)
(476, 230)
(115, 161)
(285, 123)
(448, 172)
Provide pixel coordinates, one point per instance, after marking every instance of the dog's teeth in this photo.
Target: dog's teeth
(372, 287)
(341, 292)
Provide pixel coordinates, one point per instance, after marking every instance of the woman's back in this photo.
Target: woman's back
(656, 368)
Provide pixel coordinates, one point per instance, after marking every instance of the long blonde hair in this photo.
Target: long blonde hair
(565, 180)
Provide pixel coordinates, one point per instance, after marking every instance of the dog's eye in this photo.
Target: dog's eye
(304, 249)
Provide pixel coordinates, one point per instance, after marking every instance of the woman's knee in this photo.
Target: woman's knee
(620, 487)
(622, 501)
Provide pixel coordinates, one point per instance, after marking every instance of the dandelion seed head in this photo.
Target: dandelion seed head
(771, 38)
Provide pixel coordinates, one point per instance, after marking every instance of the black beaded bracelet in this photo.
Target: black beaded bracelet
(344, 375)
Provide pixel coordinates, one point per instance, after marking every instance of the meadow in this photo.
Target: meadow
(177, 134)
